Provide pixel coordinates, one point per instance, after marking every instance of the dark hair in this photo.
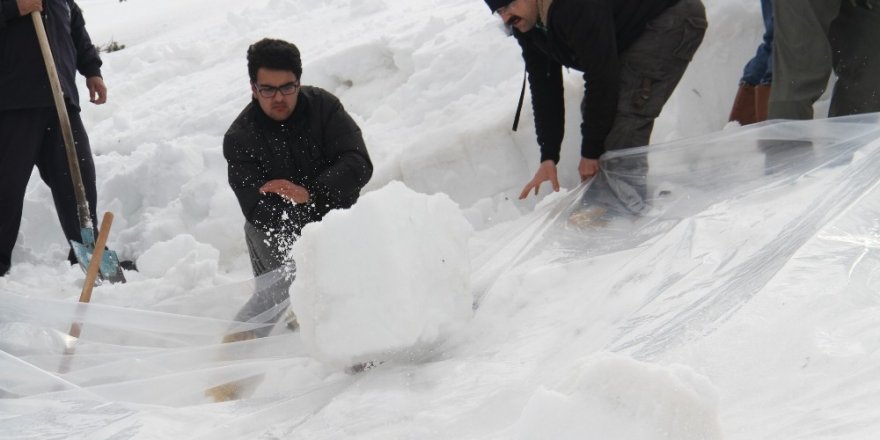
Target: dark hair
(275, 55)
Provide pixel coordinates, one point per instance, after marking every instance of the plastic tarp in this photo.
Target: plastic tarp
(690, 233)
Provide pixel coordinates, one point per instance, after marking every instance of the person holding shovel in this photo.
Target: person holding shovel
(30, 132)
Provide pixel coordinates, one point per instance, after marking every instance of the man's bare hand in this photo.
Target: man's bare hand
(588, 168)
(547, 171)
(97, 89)
(25, 7)
(286, 189)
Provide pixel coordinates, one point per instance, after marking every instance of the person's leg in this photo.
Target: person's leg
(743, 108)
(651, 68)
(262, 307)
(263, 250)
(750, 103)
(855, 39)
(762, 90)
(266, 256)
(767, 44)
(21, 133)
(755, 71)
(801, 56)
(54, 169)
(762, 101)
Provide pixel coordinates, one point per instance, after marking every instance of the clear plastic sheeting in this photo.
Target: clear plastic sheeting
(749, 256)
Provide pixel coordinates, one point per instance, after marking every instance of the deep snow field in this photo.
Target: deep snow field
(741, 303)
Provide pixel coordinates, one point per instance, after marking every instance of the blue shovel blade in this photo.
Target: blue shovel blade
(109, 269)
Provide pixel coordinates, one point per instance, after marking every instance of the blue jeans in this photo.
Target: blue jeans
(759, 70)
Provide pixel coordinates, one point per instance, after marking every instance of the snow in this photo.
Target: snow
(742, 304)
(612, 396)
(400, 290)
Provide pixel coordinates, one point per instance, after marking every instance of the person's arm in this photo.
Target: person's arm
(545, 84)
(350, 167)
(589, 29)
(265, 210)
(88, 61)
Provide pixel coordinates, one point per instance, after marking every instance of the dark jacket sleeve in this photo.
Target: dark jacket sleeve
(589, 28)
(88, 62)
(268, 212)
(545, 84)
(350, 167)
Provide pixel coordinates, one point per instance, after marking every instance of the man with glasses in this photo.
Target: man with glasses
(632, 54)
(293, 155)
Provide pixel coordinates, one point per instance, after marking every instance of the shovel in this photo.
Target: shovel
(109, 262)
(86, 295)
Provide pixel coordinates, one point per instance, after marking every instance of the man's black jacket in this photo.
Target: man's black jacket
(587, 35)
(24, 82)
(319, 148)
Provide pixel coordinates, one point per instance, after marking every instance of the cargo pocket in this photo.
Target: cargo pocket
(639, 87)
(691, 37)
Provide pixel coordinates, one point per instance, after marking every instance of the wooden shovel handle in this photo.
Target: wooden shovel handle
(97, 256)
(88, 285)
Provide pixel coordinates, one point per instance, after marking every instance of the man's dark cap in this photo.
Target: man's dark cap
(495, 4)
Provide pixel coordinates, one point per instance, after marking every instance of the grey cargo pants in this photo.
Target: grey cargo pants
(814, 37)
(651, 68)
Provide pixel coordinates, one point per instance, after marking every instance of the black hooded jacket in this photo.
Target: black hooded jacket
(587, 35)
(319, 147)
(24, 82)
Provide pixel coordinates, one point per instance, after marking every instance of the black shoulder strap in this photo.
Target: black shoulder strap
(522, 95)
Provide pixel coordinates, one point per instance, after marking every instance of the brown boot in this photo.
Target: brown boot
(743, 110)
(762, 99)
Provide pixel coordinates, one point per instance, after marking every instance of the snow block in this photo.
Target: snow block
(611, 396)
(386, 279)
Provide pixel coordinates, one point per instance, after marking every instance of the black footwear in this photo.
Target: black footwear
(128, 265)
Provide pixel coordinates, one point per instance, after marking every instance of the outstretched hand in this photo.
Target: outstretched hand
(286, 189)
(547, 171)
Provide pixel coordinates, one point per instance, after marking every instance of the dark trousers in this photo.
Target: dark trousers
(32, 137)
(272, 285)
(651, 68)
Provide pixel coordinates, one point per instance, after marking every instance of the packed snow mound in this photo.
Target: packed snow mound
(388, 278)
(608, 396)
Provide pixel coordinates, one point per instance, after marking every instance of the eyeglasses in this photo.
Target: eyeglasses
(270, 91)
(504, 9)
(505, 27)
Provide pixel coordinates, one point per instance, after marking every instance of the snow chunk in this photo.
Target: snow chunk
(386, 279)
(612, 396)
